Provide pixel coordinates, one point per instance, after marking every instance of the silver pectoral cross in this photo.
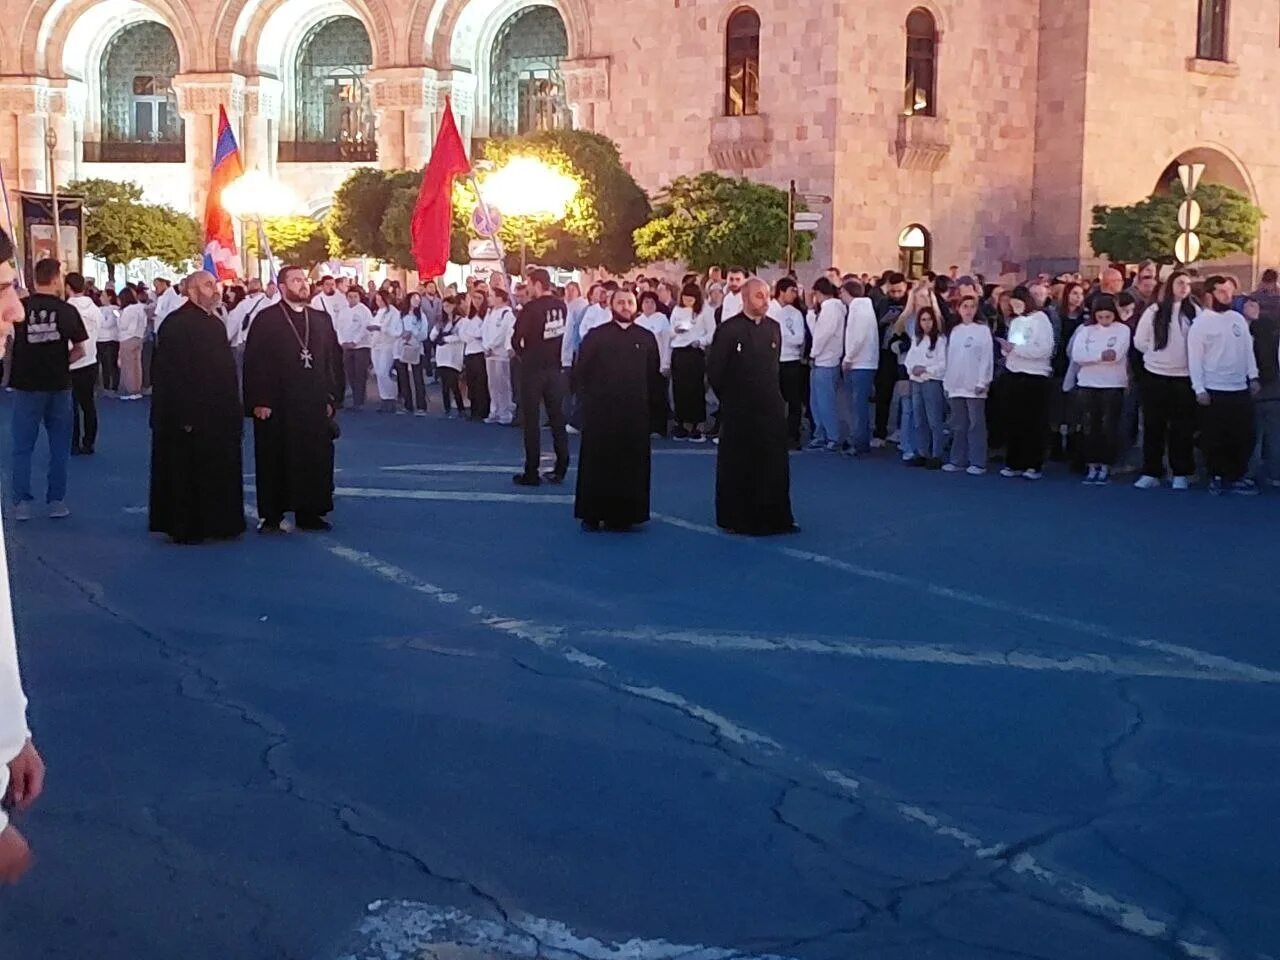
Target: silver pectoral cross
(305, 356)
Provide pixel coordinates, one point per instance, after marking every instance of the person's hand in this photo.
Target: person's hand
(262, 413)
(980, 391)
(328, 410)
(26, 776)
(1202, 399)
(1254, 388)
(847, 366)
(15, 855)
(1108, 356)
(917, 371)
(1005, 347)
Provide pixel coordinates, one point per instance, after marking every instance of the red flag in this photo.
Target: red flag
(433, 215)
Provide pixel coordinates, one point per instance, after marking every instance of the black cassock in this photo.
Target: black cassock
(620, 386)
(197, 490)
(753, 475)
(293, 365)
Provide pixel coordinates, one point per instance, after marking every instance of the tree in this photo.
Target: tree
(355, 220)
(1149, 228)
(711, 220)
(119, 227)
(300, 240)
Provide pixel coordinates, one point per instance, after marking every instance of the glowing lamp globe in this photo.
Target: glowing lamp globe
(527, 187)
(257, 195)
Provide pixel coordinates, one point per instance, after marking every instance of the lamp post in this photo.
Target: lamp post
(528, 189)
(253, 197)
(50, 144)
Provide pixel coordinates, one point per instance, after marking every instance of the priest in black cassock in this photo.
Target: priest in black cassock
(292, 379)
(753, 475)
(620, 387)
(197, 490)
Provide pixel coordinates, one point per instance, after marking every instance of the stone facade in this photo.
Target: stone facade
(1044, 108)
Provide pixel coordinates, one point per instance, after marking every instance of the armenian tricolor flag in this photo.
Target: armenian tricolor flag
(220, 255)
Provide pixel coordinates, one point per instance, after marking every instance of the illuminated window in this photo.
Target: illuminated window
(742, 64)
(914, 251)
(922, 63)
(1211, 32)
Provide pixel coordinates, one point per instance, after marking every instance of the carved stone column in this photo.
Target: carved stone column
(586, 88)
(25, 104)
(404, 99)
(67, 114)
(459, 87)
(199, 97)
(261, 140)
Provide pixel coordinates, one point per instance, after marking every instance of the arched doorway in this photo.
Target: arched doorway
(138, 111)
(915, 251)
(333, 117)
(526, 91)
(1224, 170)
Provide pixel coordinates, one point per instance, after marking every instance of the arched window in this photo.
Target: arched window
(1211, 32)
(922, 64)
(742, 64)
(333, 118)
(140, 119)
(526, 91)
(914, 251)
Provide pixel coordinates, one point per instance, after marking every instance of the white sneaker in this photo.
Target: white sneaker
(908, 457)
(877, 444)
(22, 511)
(58, 510)
(1145, 482)
(1009, 473)
(1179, 483)
(1032, 475)
(950, 468)
(977, 471)
(572, 430)
(1092, 476)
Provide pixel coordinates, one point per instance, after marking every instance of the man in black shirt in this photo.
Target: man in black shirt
(540, 331)
(50, 338)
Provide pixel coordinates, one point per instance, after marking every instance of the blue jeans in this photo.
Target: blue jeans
(858, 384)
(1267, 453)
(928, 409)
(30, 409)
(822, 399)
(969, 432)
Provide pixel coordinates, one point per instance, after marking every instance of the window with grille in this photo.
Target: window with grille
(922, 64)
(136, 84)
(333, 117)
(1211, 33)
(742, 64)
(526, 91)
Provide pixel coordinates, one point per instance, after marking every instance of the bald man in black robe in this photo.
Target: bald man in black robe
(753, 474)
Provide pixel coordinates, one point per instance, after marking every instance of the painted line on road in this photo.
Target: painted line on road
(928, 653)
(403, 929)
(1122, 913)
(458, 468)
(462, 496)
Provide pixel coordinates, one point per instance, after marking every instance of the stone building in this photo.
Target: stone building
(971, 132)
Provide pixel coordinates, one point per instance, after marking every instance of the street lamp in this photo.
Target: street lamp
(526, 188)
(255, 196)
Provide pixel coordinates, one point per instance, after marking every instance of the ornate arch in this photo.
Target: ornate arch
(432, 23)
(48, 24)
(1221, 161)
(238, 26)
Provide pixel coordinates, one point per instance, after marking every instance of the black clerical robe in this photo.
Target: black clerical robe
(620, 386)
(197, 490)
(753, 475)
(293, 366)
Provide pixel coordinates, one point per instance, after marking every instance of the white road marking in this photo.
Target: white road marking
(931, 653)
(457, 468)
(403, 929)
(461, 496)
(1124, 914)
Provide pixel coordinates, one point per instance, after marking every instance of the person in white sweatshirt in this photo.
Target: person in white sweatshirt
(791, 367)
(652, 318)
(1100, 352)
(861, 360)
(496, 332)
(691, 329)
(356, 339)
(970, 369)
(826, 328)
(471, 329)
(84, 371)
(1168, 402)
(448, 344)
(411, 361)
(109, 344)
(1224, 376)
(926, 363)
(1028, 354)
(387, 332)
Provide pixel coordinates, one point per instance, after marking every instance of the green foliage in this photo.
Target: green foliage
(711, 220)
(1149, 229)
(119, 227)
(372, 209)
(300, 240)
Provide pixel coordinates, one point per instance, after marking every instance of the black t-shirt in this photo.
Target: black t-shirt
(539, 331)
(41, 344)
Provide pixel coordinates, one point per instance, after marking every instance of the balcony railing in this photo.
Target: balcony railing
(295, 151)
(128, 151)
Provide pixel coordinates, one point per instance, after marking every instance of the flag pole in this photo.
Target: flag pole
(13, 233)
(491, 234)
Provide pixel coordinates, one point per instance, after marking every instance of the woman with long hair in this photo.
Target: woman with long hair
(691, 329)
(448, 343)
(133, 331)
(970, 369)
(471, 330)
(1028, 353)
(386, 339)
(1100, 350)
(1168, 402)
(109, 343)
(926, 363)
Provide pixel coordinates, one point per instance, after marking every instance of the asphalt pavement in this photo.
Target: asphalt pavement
(953, 718)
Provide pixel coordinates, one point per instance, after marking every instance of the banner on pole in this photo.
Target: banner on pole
(38, 238)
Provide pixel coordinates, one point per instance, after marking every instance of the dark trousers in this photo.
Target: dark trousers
(1026, 397)
(148, 353)
(1226, 433)
(450, 392)
(1168, 417)
(791, 375)
(545, 387)
(886, 382)
(1100, 410)
(689, 385)
(109, 364)
(355, 365)
(412, 384)
(478, 386)
(84, 409)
